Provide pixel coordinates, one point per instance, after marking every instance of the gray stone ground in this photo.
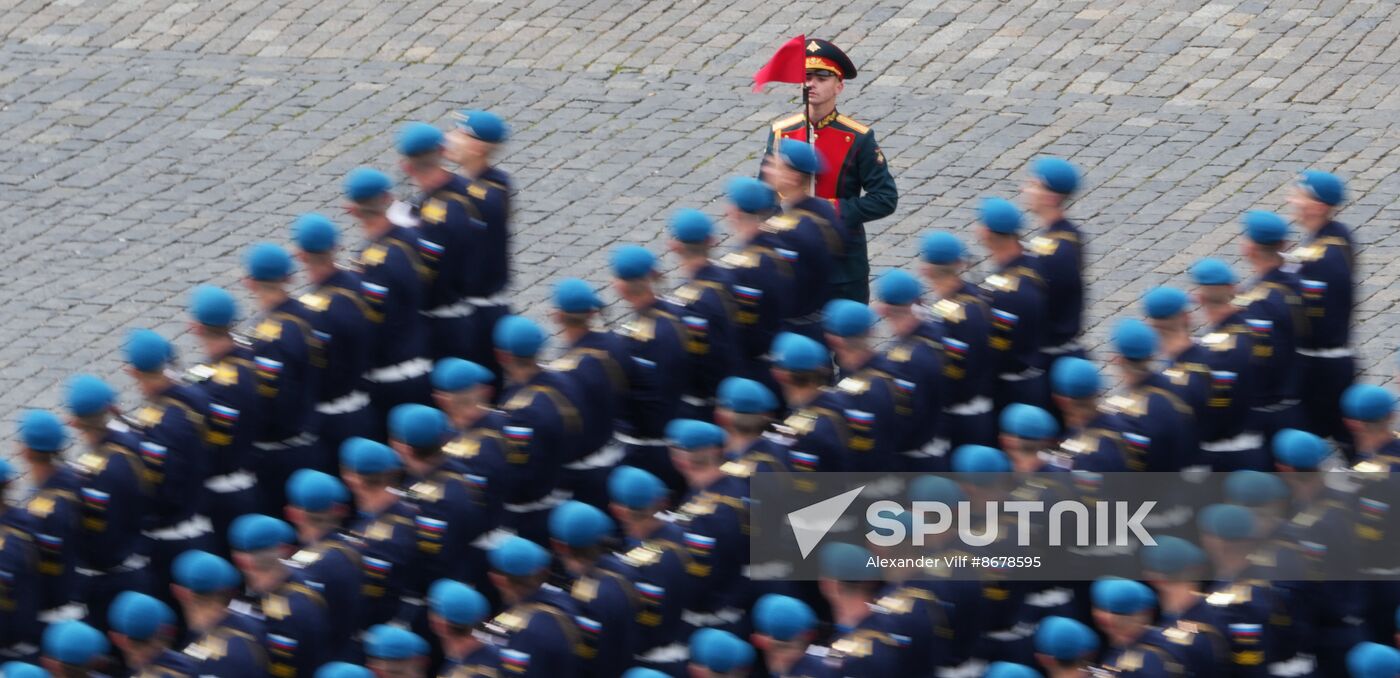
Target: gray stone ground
(147, 143)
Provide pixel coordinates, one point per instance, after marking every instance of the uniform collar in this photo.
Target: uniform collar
(830, 118)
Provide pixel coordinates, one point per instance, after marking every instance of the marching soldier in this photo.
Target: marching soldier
(1065, 647)
(916, 357)
(745, 411)
(1158, 428)
(817, 434)
(395, 651)
(329, 560)
(606, 600)
(714, 515)
(1253, 614)
(763, 276)
(807, 228)
(1273, 309)
(861, 647)
(297, 620)
(455, 610)
(1123, 612)
(855, 179)
(1175, 567)
(143, 630)
(462, 389)
(880, 407)
(965, 321)
(387, 526)
(1059, 256)
(54, 511)
(1016, 294)
(1026, 432)
(73, 648)
(719, 654)
(1092, 440)
(392, 283)
(1188, 371)
(783, 630)
(222, 642)
(231, 383)
(706, 310)
(1229, 439)
(1368, 412)
(19, 577)
(537, 634)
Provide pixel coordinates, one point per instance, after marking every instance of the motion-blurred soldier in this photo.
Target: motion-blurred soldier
(144, 629)
(1092, 439)
(719, 654)
(394, 651)
(1123, 611)
(115, 500)
(1187, 368)
(714, 515)
(784, 628)
(1369, 414)
(745, 411)
(1027, 432)
(606, 600)
(706, 308)
(1158, 428)
(393, 279)
(385, 523)
(1060, 255)
(880, 408)
(1065, 647)
(462, 389)
(54, 514)
(807, 227)
(1252, 613)
(1273, 309)
(964, 319)
(222, 642)
(19, 577)
(817, 434)
(297, 620)
(1016, 294)
(455, 610)
(1175, 567)
(1229, 439)
(916, 358)
(231, 383)
(341, 320)
(861, 647)
(537, 634)
(72, 648)
(329, 560)
(764, 282)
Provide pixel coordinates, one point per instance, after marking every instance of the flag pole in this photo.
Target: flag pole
(809, 130)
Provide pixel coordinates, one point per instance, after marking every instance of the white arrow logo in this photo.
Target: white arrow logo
(811, 523)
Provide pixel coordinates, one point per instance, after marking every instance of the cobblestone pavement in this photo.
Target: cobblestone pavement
(147, 142)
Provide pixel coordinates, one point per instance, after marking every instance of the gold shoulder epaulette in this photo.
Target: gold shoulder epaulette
(787, 122)
(859, 128)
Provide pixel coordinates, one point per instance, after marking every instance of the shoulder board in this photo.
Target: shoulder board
(787, 122)
(307, 557)
(642, 556)
(268, 330)
(511, 620)
(689, 293)
(745, 259)
(700, 506)
(315, 302)
(426, 491)
(853, 385)
(276, 607)
(859, 128)
(780, 224)
(40, 506)
(374, 255)
(1002, 283)
(476, 192)
(1044, 246)
(737, 469)
(950, 311)
(566, 363)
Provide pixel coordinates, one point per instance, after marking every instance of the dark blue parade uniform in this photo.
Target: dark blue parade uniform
(1192, 640)
(969, 367)
(54, 514)
(287, 359)
(816, 436)
(1188, 377)
(1141, 659)
(116, 500)
(1060, 263)
(716, 524)
(1320, 532)
(1016, 295)
(1273, 311)
(623, 391)
(297, 623)
(447, 228)
(230, 382)
(813, 241)
(764, 289)
(879, 413)
(484, 662)
(488, 263)
(542, 430)
(655, 341)
(1158, 428)
(1376, 522)
(19, 588)
(659, 568)
(1327, 269)
(706, 309)
(918, 360)
(393, 281)
(867, 650)
(913, 613)
(481, 452)
(340, 319)
(607, 612)
(1229, 440)
(333, 567)
(168, 664)
(1096, 447)
(539, 636)
(234, 647)
(1254, 617)
(452, 518)
(392, 568)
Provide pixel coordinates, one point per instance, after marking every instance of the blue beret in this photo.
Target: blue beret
(936, 488)
(1324, 187)
(1122, 596)
(383, 641)
(1172, 555)
(691, 226)
(268, 262)
(796, 353)
(1367, 402)
(343, 670)
(1373, 660)
(518, 556)
(719, 651)
(456, 374)
(417, 138)
(7, 471)
(578, 524)
(314, 233)
(1134, 339)
(147, 351)
(800, 155)
(897, 288)
(457, 603)
(634, 488)
(1299, 449)
(639, 672)
(782, 617)
(365, 183)
(365, 456)
(942, 248)
(22, 670)
(1075, 378)
(1226, 521)
(213, 306)
(483, 125)
(518, 336)
(1006, 670)
(419, 425)
(89, 395)
(1213, 272)
(1000, 216)
(751, 195)
(572, 295)
(980, 459)
(1029, 422)
(846, 318)
(1065, 639)
(73, 642)
(41, 431)
(255, 532)
(204, 572)
(312, 490)
(1265, 228)
(845, 562)
(139, 616)
(1164, 302)
(745, 396)
(630, 262)
(1254, 488)
(1056, 174)
(693, 434)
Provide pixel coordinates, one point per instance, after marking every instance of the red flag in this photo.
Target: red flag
(789, 64)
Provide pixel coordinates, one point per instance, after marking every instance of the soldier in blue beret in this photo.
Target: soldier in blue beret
(1123, 611)
(230, 380)
(19, 577)
(745, 409)
(114, 500)
(964, 319)
(608, 604)
(454, 612)
(714, 515)
(1017, 296)
(1175, 568)
(340, 319)
(387, 526)
(1063, 645)
(462, 389)
(329, 560)
(1093, 438)
(1326, 259)
(73, 648)
(1187, 368)
(54, 511)
(719, 654)
(1369, 413)
(1274, 311)
(808, 227)
(542, 430)
(1229, 440)
(223, 642)
(298, 621)
(763, 275)
(1059, 254)
(538, 633)
(287, 356)
(817, 433)
(394, 283)
(880, 408)
(395, 651)
(861, 646)
(1158, 427)
(916, 358)
(173, 427)
(706, 307)
(784, 628)
(143, 630)
(1027, 432)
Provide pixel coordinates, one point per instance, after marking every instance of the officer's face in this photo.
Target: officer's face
(1306, 209)
(1039, 199)
(822, 87)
